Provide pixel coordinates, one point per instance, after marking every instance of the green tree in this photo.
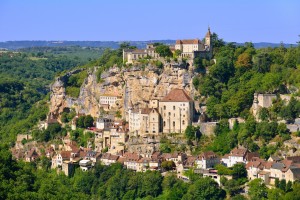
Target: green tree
(204, 188)
(239, 171)
(257, 189)
(88, 121)
(163, 50)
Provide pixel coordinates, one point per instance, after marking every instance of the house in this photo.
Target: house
(237, 155)
(108, 159)
(58, 159)
(93, 156)
(131, 160)
(85, 165)
(103, 123)
(175, 157)
(31, 155)
(207, 160)
(176, 110)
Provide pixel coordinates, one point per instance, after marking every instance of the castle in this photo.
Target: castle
(189, 48)
(193, 48)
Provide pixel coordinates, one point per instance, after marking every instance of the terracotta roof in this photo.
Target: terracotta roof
(190, 160)
(240, 152)
(109, 156)
(226, 156)
(295, 159)
(189, 41)
(65, 154)
(177, 95)
(208, 155)
(267, 165)
(132, 156)
(252, 155)
(147, 110)
(121, 160)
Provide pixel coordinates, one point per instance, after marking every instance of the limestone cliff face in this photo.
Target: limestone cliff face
(57, 98)
(135, 86)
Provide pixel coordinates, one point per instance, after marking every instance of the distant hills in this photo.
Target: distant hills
(15, 45)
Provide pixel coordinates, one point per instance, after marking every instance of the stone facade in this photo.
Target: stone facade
(193, 48)
(131, 55)
(177, 111)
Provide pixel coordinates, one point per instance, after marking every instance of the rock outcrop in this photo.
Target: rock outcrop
(135, 86)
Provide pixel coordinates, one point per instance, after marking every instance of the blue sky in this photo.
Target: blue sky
(115, 20)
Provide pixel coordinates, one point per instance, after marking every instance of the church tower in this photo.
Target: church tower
(208, 39)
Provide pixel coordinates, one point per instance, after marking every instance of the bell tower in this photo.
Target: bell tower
(208, 38)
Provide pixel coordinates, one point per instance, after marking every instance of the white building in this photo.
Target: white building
(237, 155)
(109, 99)
(207, 160)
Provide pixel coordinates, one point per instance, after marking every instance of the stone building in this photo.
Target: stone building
(109, 99)
(192, 48)
(262, 101)
(131, 55)
(177, 111)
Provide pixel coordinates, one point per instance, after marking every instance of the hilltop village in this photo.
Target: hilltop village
(128, 115)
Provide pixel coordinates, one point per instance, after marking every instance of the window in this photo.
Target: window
(164, 107)
(173, 123)
(164, 123)
(183, 122)
(174, 114)
(173, 107)
(169, 114)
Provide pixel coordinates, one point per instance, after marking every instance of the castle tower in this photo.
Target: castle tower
(208, 44)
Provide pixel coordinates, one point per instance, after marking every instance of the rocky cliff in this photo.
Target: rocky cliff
(135, 85)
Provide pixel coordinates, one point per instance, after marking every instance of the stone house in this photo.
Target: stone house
(31, 155)
(177, 111)
(150, 119)
(237, 155)
(131, 160)
(108, 159)
(144, 121)
(207, 160)
(131, 55)
(93, 156)
(175, 157)
(60, 157)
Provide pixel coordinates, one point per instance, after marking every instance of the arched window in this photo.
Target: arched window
(183, 122)
(164, 123)
(173, 123)
(164, 107)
